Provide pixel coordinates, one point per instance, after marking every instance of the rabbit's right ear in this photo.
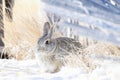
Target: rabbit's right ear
(46, 28)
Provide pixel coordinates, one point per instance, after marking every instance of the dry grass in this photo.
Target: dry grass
(22, 34)
(103, 49)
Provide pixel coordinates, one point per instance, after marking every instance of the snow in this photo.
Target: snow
(29, 70)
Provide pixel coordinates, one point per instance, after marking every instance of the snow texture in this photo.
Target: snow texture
(29, 70)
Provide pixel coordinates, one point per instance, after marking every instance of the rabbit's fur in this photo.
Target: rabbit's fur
(54, 53)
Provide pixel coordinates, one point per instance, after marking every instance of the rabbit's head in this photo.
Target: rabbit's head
(45, 43)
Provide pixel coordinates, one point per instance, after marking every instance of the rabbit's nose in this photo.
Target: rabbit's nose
(38, 48)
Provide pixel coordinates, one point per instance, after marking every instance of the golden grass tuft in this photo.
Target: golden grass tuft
(22, 33)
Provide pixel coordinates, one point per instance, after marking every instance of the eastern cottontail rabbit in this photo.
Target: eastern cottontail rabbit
(51, 53)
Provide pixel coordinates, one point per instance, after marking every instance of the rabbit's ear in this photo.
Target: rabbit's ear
(46, 29)
(50, 32)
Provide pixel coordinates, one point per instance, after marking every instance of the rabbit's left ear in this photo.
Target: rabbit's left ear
(46, 29)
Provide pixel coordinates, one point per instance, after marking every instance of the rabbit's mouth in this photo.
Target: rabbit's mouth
(41, 50)
(44, 51)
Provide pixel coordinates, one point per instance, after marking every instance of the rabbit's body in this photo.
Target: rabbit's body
(53, 59)
(52, 53)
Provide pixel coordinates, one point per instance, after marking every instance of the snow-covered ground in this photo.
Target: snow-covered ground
(29, 70)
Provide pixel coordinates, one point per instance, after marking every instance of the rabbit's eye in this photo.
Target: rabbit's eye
(47, 42)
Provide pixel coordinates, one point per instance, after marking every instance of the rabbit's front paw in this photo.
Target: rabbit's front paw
(52, 70)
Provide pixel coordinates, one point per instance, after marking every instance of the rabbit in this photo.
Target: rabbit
(45, 51)
(53, 53)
